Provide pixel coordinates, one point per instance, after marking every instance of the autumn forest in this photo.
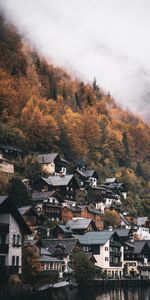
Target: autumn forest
(45, 109)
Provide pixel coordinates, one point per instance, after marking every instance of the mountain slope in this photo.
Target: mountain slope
(42, 108)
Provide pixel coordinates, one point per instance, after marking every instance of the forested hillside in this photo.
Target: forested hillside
(43, 109)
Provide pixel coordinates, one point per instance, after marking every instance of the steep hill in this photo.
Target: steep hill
(43, 108)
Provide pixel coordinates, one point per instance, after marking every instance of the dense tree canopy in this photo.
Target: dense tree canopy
(42, 108)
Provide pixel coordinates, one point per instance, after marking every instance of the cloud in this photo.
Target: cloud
(108, 39)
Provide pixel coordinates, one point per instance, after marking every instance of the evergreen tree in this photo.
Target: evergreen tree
(127, 161)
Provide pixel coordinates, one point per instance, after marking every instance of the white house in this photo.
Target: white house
(12, 230)
(107, 248)
(143, 233)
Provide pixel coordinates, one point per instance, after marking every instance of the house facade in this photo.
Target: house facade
(68, 213)
(107, 249)
(53, 163)
(12, 230)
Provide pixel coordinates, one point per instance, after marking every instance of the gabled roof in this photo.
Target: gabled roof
(46, 258)
(58, 180)
(139, 245)
(41, 196)
(64, 228)
(86, 173)
(16, 149)
(123, 232)
(33, 243)
(95, 237)
(94, 211)
(78, 223)
(90, 173)
(7, 207)
(47, 158)
(60, 247)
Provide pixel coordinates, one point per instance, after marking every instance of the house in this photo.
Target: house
(6, 166)
(11, 152)
(143, 233)
(61, 232)
(117, 187)
(124, 222)
(49, 265)
(62, 250)
(137, 257)
(125, 234)
(143, 221)
(53, 163)
(86, 177)
(65, 185)
(48, 203)
(80, 225)
(13, 228)
(38, 223)
(107, 248)
(103, 198)
(68, 213)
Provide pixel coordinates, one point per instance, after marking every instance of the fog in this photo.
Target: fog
(106, 39)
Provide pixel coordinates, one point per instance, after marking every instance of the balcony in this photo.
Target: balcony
(115, 253)
(3, 248)
(115, 244)
(116, 264)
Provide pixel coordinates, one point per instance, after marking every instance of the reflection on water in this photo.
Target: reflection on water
(118, 294)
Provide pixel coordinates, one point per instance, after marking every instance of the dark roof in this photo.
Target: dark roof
(59, 247)
(16, 149)
(78, 223)
(123, 232)
(95, 237)
(46, 158)
(45, 258)
(94, 211)
(41, 196)
(58, 180)
(64, 228)
(138, 245)
(86, 173)
(90, 173)
(7, 206)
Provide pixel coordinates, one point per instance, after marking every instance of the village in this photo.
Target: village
(67, 213)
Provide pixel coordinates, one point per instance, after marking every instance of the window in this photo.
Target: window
(18, 239)
(2, 238)
(2, 260)
(17, 261)
(14, 239)
(13, 260)
(106, 248)
(106, 258)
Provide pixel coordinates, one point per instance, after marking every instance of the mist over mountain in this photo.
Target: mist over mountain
(103, 39)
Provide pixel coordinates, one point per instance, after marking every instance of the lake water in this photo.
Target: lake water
(117, 294)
